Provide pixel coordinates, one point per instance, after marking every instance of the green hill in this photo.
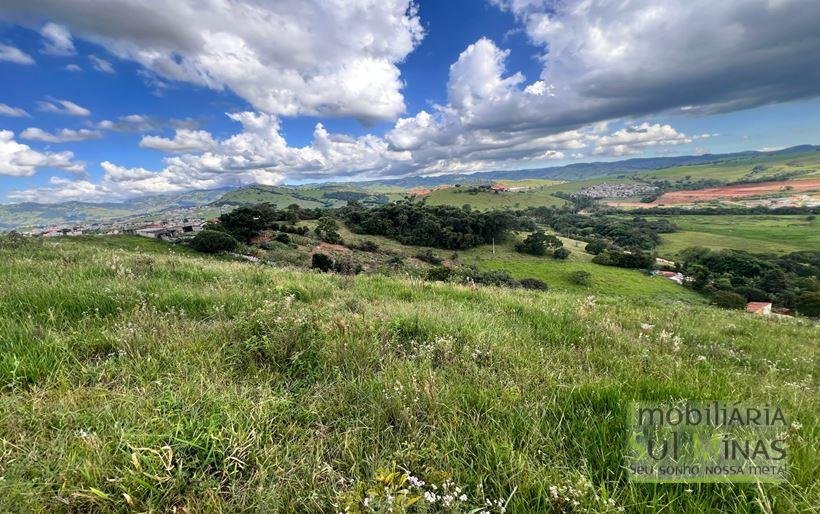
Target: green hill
(138, 377)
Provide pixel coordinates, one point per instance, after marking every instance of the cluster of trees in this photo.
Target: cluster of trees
(245, 223)
(471, 274)
(443, 226)
(733, 277)
(632, 232)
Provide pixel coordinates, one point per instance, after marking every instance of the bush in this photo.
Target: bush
(636, 259)
(327, 230)
(808, 304)
(596, 246)
(429, 257)
(321, 262)
(439, 274)
(728, 300)
(347, 266)
(283, 238)
(561, 253)
(534, 284)
(366, 246)
(581, 278)
(212, 241)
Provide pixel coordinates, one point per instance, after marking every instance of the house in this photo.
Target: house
(761, 308)
(674, 276)
(499, 187)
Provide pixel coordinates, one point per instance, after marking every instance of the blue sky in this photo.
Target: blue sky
(395, 88)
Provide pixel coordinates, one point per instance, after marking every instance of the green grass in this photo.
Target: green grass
(136, 377)
(808, 164)
(756, 234)
(539, 195)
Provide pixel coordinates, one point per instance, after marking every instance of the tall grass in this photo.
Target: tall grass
(136, 377)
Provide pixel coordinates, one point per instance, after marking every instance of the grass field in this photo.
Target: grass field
(768, 166)
(138, 378)
(757, 234)
(539, 194)
(605, 280)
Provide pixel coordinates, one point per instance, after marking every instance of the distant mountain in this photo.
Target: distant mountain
(583, 171)
(31, 214)
(335, 194)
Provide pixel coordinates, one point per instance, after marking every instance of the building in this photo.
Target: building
(761, 308)
(499, 188)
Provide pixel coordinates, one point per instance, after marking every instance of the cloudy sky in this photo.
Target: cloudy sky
(108, 99)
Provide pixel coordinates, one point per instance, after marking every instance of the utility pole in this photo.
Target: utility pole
(493, 245)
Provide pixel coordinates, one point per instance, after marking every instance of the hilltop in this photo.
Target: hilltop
(140, 377)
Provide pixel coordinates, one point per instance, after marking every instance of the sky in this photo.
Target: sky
(103, 100)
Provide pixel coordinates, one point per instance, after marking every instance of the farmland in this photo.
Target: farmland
(752, 233)
(137, 377)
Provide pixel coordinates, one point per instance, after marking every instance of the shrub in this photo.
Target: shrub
(561, 253)
(534, 283)
(636, 259)
(582, 278)
(321, 262)
(347, 266)
(596, 246)
(728, 300)
(212, 241)
(283, 238)
(429, 257)
(439, 273)
(366, 246)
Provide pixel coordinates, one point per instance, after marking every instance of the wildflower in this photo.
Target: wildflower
(701, 358)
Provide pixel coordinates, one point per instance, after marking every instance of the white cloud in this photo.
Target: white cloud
(63, 107)
(16, 112)
(57, 40)
(185, 140)
(635, 139)
(15, 55)
(19, 160)
(100, 64)
(62, 136)
(131, 123)
(288, 57)
(72, 67)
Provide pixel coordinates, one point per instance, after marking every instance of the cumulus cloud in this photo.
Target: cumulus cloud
(15, 112)
(57, 40)
(72, 67)
(101, 64)
(15, 55)
(185, 140)
(63, 107)
(61, 136)
(19, 160)
(612, 59)
(288, 57)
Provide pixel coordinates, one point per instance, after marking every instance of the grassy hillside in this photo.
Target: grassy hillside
(539, 193)
(136, 377)
(806, 164)
(757, 234)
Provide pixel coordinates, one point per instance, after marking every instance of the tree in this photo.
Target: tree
(321, 262)
(327, 230)
(283, 238)
(808, 304)
(596, 246)
(537, 243)
(728, 300)
(213, 241)
(561, 253)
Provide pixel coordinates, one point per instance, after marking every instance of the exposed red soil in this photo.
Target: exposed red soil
(738, 191)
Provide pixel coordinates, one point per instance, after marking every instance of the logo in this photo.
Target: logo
(706, 442)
